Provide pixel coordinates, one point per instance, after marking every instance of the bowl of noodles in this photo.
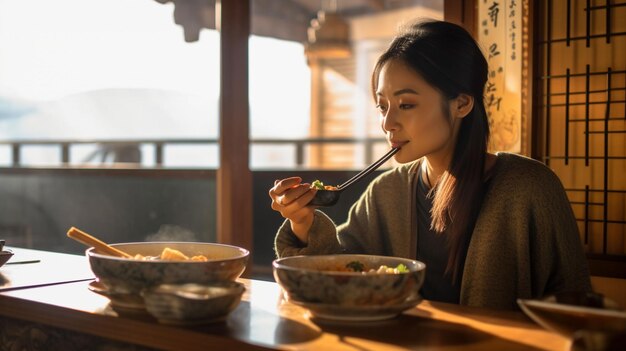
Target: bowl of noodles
(351, 286)
(156, 263)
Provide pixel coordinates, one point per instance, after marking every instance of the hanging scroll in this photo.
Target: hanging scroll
(500, 36)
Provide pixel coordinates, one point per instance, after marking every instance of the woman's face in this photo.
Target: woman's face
(412, 114)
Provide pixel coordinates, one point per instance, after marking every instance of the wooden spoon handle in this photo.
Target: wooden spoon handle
(100, 246)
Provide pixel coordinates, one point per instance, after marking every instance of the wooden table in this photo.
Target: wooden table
(30, 268)
(264, 320)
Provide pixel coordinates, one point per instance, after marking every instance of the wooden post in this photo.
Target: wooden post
(461, 12)
(234, 179)
(316, 129)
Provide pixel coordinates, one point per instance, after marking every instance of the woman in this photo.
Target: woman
(490, 228)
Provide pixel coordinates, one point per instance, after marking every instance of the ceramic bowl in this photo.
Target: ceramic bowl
(193, 303)
(132, 276)
(319, 279)
(5, 255)
(568, 313)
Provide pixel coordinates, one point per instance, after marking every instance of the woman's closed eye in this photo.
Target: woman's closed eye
(406, 106)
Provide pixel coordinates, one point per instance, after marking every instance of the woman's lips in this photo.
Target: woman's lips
(395, 144)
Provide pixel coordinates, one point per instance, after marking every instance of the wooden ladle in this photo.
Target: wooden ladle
(99, 245)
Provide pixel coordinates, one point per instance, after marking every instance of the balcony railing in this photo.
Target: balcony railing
(16, 146)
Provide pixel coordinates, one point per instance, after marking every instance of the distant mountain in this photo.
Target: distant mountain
(13, 108)
(112, 113)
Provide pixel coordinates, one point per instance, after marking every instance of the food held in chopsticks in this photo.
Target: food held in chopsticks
(319, 185)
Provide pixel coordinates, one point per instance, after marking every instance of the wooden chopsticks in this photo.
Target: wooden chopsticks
(99, 245)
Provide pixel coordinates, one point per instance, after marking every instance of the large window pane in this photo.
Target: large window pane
(104, 70)
(98, 90)
(311, 80)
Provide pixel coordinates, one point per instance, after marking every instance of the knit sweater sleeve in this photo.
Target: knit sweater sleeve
(322, 238)
(526, 242)
(558, 258)
(373, 215)
(366, 220)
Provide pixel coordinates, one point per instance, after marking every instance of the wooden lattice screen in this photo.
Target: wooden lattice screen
(580, 125)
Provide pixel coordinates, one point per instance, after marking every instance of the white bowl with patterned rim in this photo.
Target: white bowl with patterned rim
(323, 279)
(132, 276)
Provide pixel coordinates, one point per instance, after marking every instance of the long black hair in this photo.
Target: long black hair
(449, 59)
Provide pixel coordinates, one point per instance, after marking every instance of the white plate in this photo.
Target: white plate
(357, 313)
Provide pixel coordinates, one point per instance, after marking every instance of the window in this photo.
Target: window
(331, 109)
(106, 70)
(117, 80)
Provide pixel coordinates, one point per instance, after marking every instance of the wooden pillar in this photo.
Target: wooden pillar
(317, 111)
(234, 179)
(461, 12)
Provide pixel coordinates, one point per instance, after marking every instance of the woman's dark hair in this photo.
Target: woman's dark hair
(449, 59)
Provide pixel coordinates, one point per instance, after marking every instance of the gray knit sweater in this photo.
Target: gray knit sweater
(525, 243)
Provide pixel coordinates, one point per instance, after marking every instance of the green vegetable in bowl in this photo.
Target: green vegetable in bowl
(402, 268)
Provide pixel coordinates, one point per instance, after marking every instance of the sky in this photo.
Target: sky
(121, 69)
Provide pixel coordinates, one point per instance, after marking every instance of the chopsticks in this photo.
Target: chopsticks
(22, 262)
(369, 168)
(99, 245)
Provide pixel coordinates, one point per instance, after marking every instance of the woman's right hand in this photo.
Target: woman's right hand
(290, 197)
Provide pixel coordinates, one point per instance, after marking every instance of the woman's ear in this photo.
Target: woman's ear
(462, 105)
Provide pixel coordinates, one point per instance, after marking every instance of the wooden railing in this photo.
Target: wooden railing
(65, 145)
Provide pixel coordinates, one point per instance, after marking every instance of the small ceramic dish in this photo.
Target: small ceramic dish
(5, 255)
(568, 313)
(193, 303)
(118, 301)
